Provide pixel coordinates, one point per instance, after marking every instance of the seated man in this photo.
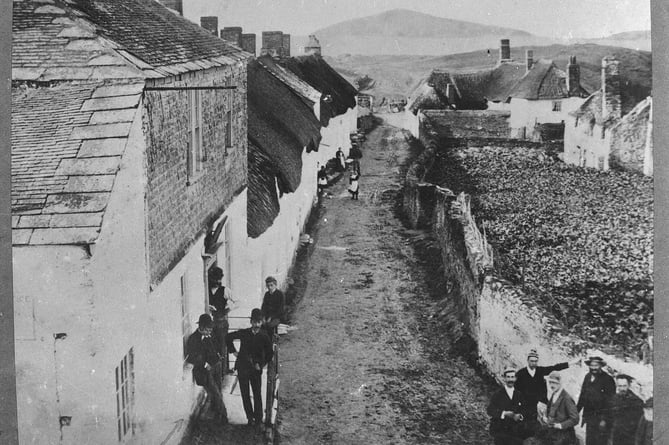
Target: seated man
(508, 410)
(202, 351)
(273, 306)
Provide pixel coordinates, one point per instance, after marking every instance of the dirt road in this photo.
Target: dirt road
(367, 364)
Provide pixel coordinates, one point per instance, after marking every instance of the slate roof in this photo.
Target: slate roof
(544, 81)
(67, 141)
(101, 39)
(314, 70)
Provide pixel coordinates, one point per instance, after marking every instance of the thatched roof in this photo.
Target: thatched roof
(473, 89)
(544, 81)
(263, 201)
(280, 124)
(316, 72)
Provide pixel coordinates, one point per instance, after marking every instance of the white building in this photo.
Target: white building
(118, 173)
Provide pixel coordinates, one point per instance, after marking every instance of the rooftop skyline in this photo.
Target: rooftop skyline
(549, 18)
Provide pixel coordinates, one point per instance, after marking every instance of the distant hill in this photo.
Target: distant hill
(639, 40)
(406, 32)
(397, 76)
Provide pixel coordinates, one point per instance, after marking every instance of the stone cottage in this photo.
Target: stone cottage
(597, 135)
(129, 144)
(543, 97)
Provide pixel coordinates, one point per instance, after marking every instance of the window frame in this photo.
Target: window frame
(557, 106)
(196, 151)
(125, 396)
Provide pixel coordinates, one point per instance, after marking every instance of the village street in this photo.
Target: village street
(367, 364)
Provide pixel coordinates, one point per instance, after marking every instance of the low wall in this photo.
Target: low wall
(471, 123)
(504, 322)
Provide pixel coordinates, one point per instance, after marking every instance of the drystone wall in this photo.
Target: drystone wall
(503, 321)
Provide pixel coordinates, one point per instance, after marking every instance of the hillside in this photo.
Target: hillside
(397, 76)
(402, 31)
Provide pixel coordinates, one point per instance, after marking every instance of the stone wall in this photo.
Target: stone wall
(180, 208)
(629, 139)
(504, 322)
(471, 123)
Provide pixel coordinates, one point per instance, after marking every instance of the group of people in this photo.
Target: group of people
(523, 413)
(341, 166)
(208, 347)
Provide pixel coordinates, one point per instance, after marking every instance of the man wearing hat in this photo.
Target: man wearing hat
(596, 392)
(531, 380)
(644, 431)
(561, 414)
(202, 351)
(508, 411)
(255, 351)
(626, 410)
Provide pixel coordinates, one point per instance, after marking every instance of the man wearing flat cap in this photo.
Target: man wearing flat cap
(203, 352)
(626, 410)
(596, 392)
(508, 411)
(255, 351)
(531, 380)
(557, 425)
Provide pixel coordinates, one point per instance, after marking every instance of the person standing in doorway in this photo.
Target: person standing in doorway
(202, 351)
(626, 411)
(596, 392)
(273, 306)
(255, 351)
(219, 297)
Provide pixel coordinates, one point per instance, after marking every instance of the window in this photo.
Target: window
(185, 319)
(557, 105)
(195, 149)
(125, 396)
(228, 129)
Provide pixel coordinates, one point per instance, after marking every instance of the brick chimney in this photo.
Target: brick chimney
(210, 23)
(611, 101)
(313, 47)
(529, 59)
(286, 45)
(272, 43)
(232, 34)
(249, 43)
(505, 51)
(176, 5)
(573, 76)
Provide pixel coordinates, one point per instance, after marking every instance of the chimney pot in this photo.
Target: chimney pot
(573, 77)
(611, 101)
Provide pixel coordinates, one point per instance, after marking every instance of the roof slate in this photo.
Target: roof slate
(104, 39)
(63, 162)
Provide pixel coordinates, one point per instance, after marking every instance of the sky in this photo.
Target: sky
(549, 18)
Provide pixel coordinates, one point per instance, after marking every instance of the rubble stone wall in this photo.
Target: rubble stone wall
(180, 208)
(471, 123)
(504, 322)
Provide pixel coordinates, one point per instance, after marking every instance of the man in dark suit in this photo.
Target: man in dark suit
(202, 351)
(596, 392)
(626, 410)
(561, 415)
(531, 380)
(255, 351)
(219, 297)
(508, 410)
(273, 306)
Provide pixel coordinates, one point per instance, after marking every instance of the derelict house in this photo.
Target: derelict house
(120, 168)
(600, 135)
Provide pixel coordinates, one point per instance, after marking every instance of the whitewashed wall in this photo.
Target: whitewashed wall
(526, 113)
